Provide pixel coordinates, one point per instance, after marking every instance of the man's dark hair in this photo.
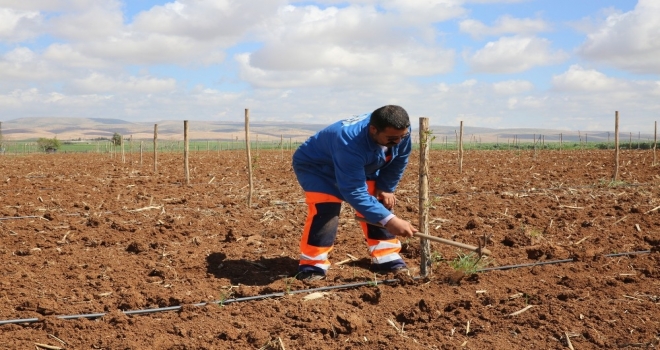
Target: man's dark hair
(390, 115)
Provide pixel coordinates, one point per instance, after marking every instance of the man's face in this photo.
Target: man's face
(388, 137)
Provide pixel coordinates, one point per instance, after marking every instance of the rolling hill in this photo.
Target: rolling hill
(94, 128)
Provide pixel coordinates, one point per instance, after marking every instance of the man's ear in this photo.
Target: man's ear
(372, 129)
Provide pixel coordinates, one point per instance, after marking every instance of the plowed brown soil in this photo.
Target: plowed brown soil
(89, 234)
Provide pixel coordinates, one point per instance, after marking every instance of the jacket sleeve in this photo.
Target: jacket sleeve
(389, 177)
(352, 182)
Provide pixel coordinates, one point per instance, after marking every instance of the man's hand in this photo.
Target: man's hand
(388, 199)
(400, 227)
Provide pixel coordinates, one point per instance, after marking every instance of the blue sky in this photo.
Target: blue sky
(511, 63)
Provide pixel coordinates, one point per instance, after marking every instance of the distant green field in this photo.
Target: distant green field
(105, 146)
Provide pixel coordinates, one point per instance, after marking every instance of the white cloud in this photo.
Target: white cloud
(425, 11)
(94, 23)
(181, 32)
(515, 54)
(528, 102)
(52, 5)
(205, 20)
(356, 50)
(504, 25)
(64, 55)
(16, 26)
(23, 66)
(512, 87)
(629, 41)
(97, 83)
(146, 48)
(580, 79)
(412, 11)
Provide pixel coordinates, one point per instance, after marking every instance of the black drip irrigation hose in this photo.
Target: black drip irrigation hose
(217, 302)
(21, 217)
(550, 262)
(281, 294)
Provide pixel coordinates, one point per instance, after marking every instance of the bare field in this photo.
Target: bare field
(88, 234)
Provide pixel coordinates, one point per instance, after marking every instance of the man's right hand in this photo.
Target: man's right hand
(400, 227)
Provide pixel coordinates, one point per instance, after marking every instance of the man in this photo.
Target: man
(359, 160)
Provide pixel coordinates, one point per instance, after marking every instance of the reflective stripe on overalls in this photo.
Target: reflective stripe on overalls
(320, 232)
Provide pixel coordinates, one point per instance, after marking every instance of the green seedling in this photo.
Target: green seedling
(288, 282)
(436, 257)
(469, 263)
(535, 233)
(224, 297)
(374, 282)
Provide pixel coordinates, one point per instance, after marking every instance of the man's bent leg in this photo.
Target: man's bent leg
(384, 247)
(320, 231)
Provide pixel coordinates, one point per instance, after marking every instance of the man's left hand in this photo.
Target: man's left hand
(388, 199)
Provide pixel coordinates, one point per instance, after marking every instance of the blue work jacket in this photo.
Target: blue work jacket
(339, 159)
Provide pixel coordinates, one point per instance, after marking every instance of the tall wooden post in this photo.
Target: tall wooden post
(249, 157)
(123, 156)
(630, 141)
(616, 146)
(424, 204)
(155, 148)
(186, 151)
(460, 150)
(655, 140)
(141, 148)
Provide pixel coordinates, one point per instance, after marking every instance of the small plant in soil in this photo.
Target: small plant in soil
(535, 233)
(469, 263)
(224, 297)
(288, 282)
(436, 257)
(373, 282)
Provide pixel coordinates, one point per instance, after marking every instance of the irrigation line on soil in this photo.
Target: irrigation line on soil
(550, 262)
(21, 217)
(218, 302)
(281, 294)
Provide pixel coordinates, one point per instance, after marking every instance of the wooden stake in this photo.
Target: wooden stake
(155, 148)
(249, 157)
(460, 150)
(123, 157)
(424, 204)
(186, 170)
(616, 146)
(655, 141)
